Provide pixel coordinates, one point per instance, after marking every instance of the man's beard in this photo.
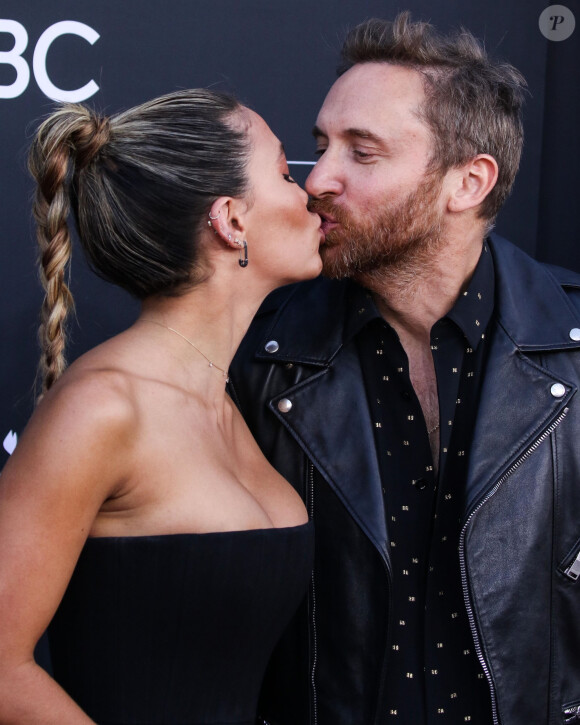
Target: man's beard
(400, 239)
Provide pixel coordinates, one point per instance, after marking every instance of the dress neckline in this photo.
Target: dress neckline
(234, 532)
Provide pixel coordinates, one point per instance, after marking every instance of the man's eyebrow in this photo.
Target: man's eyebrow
(352, 132)
(363, 133)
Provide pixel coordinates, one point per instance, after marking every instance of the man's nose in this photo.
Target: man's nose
(325, 178)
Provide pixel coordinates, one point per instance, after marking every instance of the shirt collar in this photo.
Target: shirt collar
(473, 309)
(361, 310)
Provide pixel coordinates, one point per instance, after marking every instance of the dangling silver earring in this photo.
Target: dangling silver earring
(243, 261)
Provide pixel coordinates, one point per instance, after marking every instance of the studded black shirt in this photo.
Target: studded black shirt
(433, 674)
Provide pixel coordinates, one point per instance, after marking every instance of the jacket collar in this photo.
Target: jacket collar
(314, 322)
(320, 316)
(531, 303)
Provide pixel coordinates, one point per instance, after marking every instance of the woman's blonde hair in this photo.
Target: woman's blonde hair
(139, 186)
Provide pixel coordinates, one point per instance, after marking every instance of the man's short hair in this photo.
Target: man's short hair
(473, 104)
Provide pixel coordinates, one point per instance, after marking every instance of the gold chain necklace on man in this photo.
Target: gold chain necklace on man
(195, 347)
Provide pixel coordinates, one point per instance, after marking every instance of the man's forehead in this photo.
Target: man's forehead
(362, 108)
(377, 85)
(372, 91)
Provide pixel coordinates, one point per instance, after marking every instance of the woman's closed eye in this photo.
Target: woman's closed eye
(288, 178)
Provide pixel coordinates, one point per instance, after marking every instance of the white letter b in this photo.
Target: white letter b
(14, 58)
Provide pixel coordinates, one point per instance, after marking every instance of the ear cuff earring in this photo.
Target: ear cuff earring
(213, 218)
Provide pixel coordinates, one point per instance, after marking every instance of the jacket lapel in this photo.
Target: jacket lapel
(329, 416)
(516, 401)
(516, 407)
(330, 419)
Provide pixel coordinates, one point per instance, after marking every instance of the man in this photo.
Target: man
(424, 403)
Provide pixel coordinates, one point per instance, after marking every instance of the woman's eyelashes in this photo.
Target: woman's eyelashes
(288, 178)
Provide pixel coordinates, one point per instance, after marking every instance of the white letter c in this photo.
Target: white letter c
(65, 27)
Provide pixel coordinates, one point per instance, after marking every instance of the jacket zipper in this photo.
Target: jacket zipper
(571, 713)
(573, 571)
(314, 639)
(463, 566)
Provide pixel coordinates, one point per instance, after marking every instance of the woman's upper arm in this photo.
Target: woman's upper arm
(73, 455)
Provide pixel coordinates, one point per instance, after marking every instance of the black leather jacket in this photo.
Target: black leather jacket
(305, 401)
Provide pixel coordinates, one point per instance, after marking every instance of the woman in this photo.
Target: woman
(137, 506)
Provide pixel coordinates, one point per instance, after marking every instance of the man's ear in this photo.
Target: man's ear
(472, 182)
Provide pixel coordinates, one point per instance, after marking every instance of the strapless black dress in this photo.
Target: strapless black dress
(177, 629)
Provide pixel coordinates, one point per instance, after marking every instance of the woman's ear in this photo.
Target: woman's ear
(226, 219)
(472, 182)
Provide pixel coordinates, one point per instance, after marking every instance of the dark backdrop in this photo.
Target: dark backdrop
(280, 58)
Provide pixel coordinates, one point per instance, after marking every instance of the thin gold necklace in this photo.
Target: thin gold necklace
(195, 347)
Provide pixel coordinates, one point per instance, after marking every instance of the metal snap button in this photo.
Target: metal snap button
(575, 334)
(272, 346)
(558, 390)
(284, 405)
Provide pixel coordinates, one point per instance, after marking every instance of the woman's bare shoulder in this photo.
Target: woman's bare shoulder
(108, 381)
(92, 393)
(88, 420)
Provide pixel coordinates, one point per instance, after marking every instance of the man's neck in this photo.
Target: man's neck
(412, 300)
